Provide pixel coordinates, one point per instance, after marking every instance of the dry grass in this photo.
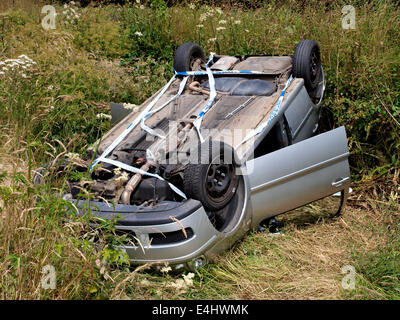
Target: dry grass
(26, 5)
(304, 263)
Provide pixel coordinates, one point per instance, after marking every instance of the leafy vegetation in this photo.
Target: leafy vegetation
(124, 54)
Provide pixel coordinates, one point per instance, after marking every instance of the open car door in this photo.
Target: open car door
(299, 174)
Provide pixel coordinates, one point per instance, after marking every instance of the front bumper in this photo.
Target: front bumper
(178, 233)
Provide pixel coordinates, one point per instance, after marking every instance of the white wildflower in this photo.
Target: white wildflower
(222, 22)
(22, 62)
(22, 56)
(166, 269)
(138, 33)
(103, 116)
(2, 73)
(219, 10)
(200, 26)
(179, 285)
(203, 17)
(65, 6)
(246, 30)
(211, 40)
(238, 22)
(220, 28)
(131, 106)
(188, 279)
(192, 6)
(72, 155)
(117, 170)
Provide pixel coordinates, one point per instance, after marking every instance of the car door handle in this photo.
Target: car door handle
(340, 182)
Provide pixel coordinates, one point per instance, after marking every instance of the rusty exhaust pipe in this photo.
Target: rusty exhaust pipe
(134, 181)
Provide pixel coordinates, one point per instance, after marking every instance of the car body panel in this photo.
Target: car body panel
(299, 174)
(302, 114)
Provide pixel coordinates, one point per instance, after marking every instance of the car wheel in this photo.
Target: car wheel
(188, 57)
(307, 64)
(211, 177)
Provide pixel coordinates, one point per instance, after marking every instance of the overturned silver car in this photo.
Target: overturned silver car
(227, 143)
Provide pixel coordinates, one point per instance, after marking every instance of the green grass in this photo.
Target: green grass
(124, 55)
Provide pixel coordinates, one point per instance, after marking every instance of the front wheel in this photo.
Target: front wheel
(211, 177)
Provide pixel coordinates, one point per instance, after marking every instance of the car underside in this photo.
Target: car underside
(225, 144)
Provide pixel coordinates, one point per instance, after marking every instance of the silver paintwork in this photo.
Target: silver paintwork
(302, 114)
(307, 170)
(299, 174)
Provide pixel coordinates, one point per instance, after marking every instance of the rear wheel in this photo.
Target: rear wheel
(211, 177)
(188, 57)
(307, 64)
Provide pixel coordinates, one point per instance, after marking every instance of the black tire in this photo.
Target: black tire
(307, 64)
(187, 55)
(210, 177)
